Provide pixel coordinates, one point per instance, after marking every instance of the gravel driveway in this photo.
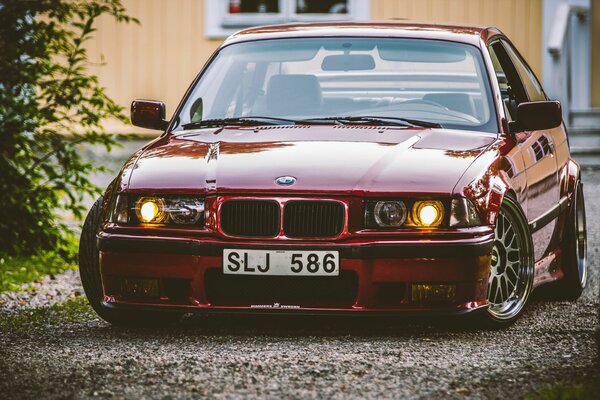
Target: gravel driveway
(224, 357)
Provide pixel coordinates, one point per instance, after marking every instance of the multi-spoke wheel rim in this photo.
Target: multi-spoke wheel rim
(511, 269)
(580, 237)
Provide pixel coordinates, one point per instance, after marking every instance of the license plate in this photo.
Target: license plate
(281, 262)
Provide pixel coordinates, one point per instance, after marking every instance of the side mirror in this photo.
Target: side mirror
(538, 115)
(149, 114)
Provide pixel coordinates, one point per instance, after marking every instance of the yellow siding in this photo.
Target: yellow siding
(520, 20)
(596, 53)
(159, 58)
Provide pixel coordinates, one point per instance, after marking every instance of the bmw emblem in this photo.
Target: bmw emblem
(285, 180)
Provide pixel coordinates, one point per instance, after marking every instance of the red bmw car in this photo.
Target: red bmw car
(348, 168)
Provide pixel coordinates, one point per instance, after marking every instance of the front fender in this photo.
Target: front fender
(488, 180)
(569, 175)
(120, 183)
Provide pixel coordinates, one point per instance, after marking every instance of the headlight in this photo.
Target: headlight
(463, 213)
(427, 213)
(151, 210)
(389, 214)
(120, 210)
(421, 213)
(185, 210)
(177, 210)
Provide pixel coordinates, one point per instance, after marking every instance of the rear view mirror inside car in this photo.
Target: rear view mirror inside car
(348, 62)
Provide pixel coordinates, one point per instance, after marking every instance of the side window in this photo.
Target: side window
(511, 87)
(532, 86)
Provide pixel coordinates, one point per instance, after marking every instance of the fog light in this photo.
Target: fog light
(423, 293)
(131, 287)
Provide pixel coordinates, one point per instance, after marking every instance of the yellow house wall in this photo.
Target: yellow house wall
(520, 20)
(159, 58)
(596, 53)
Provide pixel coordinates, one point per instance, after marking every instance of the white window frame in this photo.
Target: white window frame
(218, 23)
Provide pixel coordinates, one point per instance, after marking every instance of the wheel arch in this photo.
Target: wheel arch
(569, 176)
(487, 194)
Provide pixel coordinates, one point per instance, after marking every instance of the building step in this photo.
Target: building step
(585, 145)
(586, 119)
(587, 139)
(588, 160)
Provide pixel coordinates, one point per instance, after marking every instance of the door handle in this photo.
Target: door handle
(551, 147)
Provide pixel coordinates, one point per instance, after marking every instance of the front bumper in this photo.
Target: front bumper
(376, 276)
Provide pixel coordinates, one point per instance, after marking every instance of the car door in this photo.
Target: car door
(538, 148)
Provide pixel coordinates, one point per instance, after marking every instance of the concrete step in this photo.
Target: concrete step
(583, 140)
(585, 151)
(585, 119)
(588, 160)
(585, 145)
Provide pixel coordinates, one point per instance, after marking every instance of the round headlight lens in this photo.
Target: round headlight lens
(390, 213)
(185, 211)
(150, 210)
(428, 213)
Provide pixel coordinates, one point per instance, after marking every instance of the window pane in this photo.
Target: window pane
(436, 81)
(532, 86)
(322, 6)
(253, 6)
(505, 90)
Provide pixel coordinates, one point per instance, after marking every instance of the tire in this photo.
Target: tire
(574, 250)
(512, 267)
(89, 271)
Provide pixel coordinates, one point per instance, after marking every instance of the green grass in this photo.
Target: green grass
(568, 392)
(73, 310)
(15, 271)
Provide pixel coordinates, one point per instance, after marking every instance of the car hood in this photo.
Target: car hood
(332, 159)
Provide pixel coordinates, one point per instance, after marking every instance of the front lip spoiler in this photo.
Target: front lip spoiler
(297, 312)
(477, 246)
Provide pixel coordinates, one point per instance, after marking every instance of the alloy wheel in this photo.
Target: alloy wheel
(580, 237)
(511, 275)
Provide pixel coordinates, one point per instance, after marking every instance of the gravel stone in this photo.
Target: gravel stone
(50, 290)
(305, 357)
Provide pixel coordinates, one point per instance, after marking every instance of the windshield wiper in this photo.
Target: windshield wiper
(240, 121)
(378, 121)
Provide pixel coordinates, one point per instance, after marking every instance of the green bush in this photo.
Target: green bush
(48, 105)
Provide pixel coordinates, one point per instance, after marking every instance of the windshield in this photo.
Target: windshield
(438, 82)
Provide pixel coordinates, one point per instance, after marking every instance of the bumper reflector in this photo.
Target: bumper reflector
(421, 293)
(131, 287)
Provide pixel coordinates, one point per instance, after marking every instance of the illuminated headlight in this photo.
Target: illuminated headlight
(463, 213)
(177, 210)
(389, 214)
(405, 214)
(151, 210)
(427, 213)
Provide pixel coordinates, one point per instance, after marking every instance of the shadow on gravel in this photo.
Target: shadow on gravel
(304, 326)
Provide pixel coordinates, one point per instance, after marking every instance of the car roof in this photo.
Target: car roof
(466, 34)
